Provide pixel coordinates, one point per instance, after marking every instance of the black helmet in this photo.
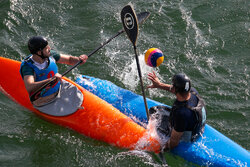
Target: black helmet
(181, 83)
(37, 43)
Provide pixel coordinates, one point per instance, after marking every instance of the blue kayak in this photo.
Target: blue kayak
(211, 149)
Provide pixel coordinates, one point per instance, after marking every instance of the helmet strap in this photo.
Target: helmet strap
(42, 55)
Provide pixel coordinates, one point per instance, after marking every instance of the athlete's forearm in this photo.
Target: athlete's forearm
(165, 86)
(174, 140)
(31, 85)
(73, 60)
(68, 59)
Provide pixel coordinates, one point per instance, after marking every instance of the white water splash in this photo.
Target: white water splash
(152, 134)
(187, 16)
(147, 159)
(87, 82)
(130, 76)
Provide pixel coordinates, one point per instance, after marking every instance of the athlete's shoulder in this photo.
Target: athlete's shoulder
(194, 91)
(55, 55)
(26, 69)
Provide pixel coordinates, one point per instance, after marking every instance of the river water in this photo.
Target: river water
(209, 40)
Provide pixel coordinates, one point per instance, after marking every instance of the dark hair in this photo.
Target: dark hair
(37, 43)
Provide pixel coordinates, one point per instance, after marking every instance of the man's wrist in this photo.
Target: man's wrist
(167, 146)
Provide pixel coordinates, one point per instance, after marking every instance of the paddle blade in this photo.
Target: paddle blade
(129, 21)
(142, 17)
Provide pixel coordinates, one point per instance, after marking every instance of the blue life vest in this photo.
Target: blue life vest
(43, 74)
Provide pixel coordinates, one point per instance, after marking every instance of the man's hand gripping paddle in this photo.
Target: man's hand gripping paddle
(34, 96)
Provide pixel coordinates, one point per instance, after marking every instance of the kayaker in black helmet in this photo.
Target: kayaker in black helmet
(39, 67)
(188, 114)
(37, 43)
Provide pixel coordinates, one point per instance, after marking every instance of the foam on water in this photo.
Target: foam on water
(187, 16)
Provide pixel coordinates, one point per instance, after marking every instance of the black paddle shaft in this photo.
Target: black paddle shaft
(142, 87)
(141, 18)
(94, 51)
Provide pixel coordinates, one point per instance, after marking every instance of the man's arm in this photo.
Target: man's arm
(156, 83)
(72, 60)
(174, 139)
(31, 85)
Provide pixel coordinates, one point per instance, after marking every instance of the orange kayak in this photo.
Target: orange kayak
(96, 119)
